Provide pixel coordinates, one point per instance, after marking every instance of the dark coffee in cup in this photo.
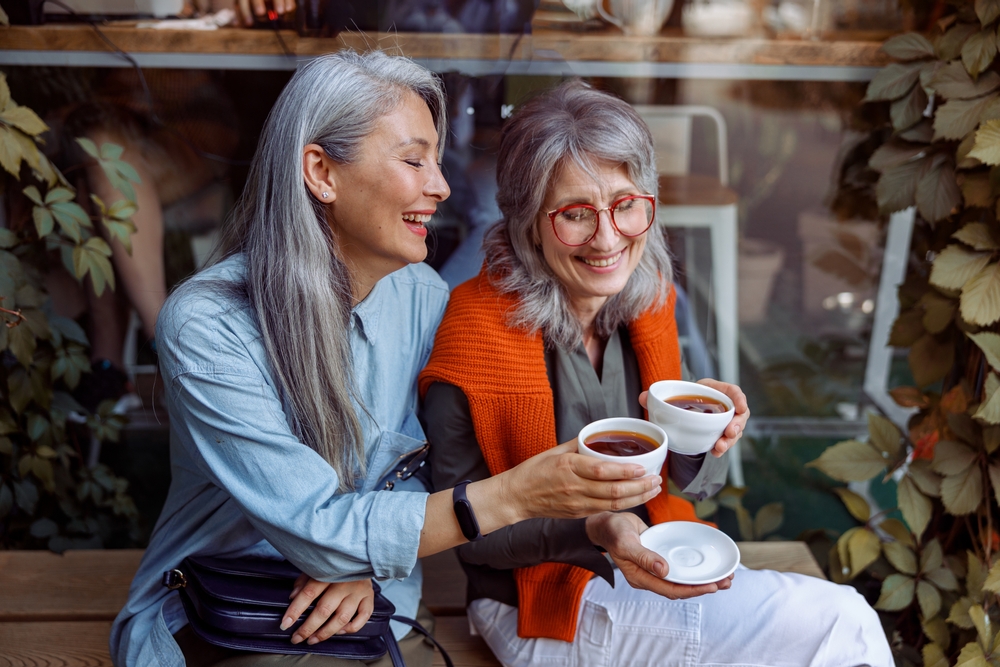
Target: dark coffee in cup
(703, 404)
(621, 443)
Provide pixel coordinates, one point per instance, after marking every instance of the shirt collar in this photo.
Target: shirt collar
(366, 315)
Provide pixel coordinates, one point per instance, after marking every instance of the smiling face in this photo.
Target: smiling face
(594, 272)
(383, 199)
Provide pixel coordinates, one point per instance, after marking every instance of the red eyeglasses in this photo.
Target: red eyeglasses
(577, 224)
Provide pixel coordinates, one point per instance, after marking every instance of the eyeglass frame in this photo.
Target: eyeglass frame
(597, 216)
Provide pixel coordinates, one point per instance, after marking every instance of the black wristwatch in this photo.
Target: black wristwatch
(463, 512)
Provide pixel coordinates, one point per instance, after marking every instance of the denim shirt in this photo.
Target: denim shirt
(243, 484)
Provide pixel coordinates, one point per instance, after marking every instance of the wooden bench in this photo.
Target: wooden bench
(57, 610)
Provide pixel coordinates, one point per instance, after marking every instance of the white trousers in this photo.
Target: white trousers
(766, 619)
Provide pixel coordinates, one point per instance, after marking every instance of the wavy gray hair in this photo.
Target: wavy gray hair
(296, 285)
(577, 123)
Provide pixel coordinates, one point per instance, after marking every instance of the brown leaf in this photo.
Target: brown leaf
(949, 45)
(908, 328)
(962, 159)
(937, 191)
(838, 264)
(980, 301)
(939, 311)
(954, 83)
(898, 531)
(977, 235)
(856, 505)
(989, 410)
(910, 46)
(909, 397)
(976, 190)
(908, 110)
(930, 360)
(962, 493)
(952, 458)
(979, 51)
(893, 81)
(987, 10)
(895, 152)
(925, 479)
(896, 188)
(943, 578)
(956, 118)
(955, 266)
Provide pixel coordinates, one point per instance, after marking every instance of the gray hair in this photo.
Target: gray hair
(296, 285)
(571, 123)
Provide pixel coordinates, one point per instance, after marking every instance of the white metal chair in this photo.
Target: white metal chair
(702, 201)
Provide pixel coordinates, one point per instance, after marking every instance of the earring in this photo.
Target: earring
(325, 195)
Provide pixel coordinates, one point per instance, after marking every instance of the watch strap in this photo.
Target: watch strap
(464, 513)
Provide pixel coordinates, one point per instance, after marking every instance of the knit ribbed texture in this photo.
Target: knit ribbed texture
(501, 370)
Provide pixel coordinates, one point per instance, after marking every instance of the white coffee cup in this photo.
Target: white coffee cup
(689, 432)
(651, 461)
(637, 17)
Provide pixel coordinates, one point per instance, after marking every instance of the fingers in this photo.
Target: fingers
(259, 10)
(245, 12)
(299, 583)
(642, 399)
(638, 577)
(343, 608)
(365, 610)
(734, 430)
(302, 599)
(595, 469)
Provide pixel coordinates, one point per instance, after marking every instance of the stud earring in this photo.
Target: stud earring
(325, 195)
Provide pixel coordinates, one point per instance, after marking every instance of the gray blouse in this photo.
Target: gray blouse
(582, 395)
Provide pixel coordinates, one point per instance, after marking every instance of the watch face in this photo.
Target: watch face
(466, 519)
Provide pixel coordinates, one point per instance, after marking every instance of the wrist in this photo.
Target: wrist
(495, 508)
(595, 524)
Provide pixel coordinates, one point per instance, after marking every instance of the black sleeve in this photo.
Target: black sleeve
(455, 456)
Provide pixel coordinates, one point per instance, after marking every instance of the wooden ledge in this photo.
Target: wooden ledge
(695, 190)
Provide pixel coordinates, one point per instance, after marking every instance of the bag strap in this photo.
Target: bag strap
(394, 647)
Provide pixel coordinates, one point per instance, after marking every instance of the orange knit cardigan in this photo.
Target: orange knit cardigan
(502, 372)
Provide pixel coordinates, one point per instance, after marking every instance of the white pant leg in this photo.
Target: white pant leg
(767, 619)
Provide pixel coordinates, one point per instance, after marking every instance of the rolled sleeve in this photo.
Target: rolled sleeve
(394, 513)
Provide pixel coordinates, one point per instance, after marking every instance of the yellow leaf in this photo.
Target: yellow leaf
(897, 530)
(23, 119)
(850, 461)
(933, 656)
(980, 301)
(987, 146)
(989, 411)
(992, 583)
(901, 557)
(856, 505)
(979, 51)
(937, 631)
(955, 266)
(989, 343)
(982, 623)
(865, 548)
(972, 656)
(929, 599)
(10, 152)
(977, 235)
(959, 614)
(975, 577)
(976, 190)
(915, 506)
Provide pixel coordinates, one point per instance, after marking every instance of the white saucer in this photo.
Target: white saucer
(696, 553)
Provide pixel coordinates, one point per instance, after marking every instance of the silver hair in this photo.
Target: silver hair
(296, 285)
(571, 123)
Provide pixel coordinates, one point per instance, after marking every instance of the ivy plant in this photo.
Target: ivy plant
(49, 496)
(938, 565)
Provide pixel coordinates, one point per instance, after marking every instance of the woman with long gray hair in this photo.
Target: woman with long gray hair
(290, 372)
(569, 320)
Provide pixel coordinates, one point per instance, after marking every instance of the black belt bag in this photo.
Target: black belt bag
(239, 604)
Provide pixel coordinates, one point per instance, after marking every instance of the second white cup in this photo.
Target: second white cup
(651, 461)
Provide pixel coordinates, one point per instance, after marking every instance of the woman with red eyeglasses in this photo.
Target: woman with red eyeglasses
(570, 318)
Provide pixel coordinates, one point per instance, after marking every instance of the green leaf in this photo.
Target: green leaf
(900, 557)
(26, 495)
(89, 147)
(745, 523)
(111, 151)
(931, 556)
(956, 118)
(120, 230)
(59, 195)
(943, 578)
(92, 258)
(769, 519)
(856, 505)
(44, 222)
(992, 583)
(977, 235)
(937, 630)
(44, 527)
(897, 593)
(908, 110)
(937, 190)
(930, 360)
(962, 493)
(952, 458)
(910, 46)
(929, 599)
(893, 81)
(980, 300)
(975, 577)
(22, 343)
(31, 192)
(850, 461)
(979, 51)
(896, 188)
(987, 11)
(972, 656)
(982, 623)
(69, 329)
(915, 506)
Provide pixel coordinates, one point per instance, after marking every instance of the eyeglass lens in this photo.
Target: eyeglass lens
(576, 225)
